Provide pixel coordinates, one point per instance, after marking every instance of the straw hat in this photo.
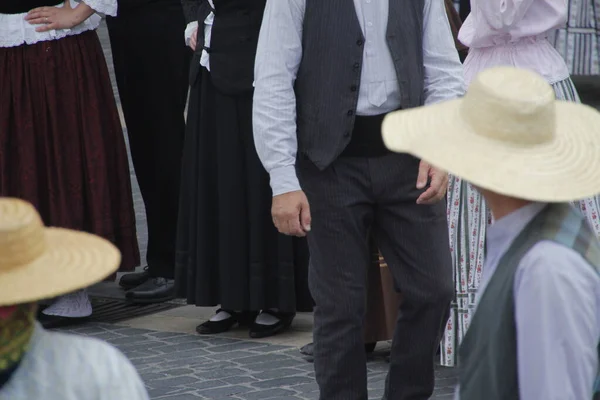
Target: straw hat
(508, 135)
(38, 262)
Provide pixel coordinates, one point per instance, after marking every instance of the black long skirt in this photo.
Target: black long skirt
(228, 251)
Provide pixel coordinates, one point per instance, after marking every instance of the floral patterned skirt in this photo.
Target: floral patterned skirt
(468, 218)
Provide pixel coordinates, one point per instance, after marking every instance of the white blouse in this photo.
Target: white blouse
(15, 31)
(514, 32)
(208, 23)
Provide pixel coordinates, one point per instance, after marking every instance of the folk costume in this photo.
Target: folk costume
(61, 141)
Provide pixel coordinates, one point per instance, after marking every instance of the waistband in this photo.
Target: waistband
(24, 6)
(366, 140)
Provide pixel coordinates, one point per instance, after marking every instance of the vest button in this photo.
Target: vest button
(354, 88)
(350, 113)
(347, 134)
(356, 65)
(360, 42)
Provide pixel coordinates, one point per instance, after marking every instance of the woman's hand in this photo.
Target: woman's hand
(194, 39)
(65, 17)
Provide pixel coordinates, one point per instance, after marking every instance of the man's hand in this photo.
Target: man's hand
(291, 213)
(65, 17)
(437, 187)
(194, 39)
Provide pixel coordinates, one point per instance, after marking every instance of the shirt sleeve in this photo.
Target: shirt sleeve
(503, 15)
(124, 383)
(443, 70)
(556, 310)
(106, 7)
(278, 57)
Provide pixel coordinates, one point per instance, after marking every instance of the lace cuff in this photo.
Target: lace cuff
(106, 7)
(189, 31)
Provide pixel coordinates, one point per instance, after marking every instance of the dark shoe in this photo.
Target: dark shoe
(224, 325)
(55, 321)
(133, 280)
(307, 350)
(258, 331)
(370, 347)
(157, 290)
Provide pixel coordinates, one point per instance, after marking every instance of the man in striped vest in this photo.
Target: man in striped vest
(536, 330)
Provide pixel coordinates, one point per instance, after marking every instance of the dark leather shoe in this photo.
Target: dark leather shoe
(155, 290)
(308, 349)
(224, 325)
(55, 321)
(133, 280)
(258, 331)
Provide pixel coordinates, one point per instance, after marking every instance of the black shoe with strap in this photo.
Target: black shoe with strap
(258, 331)
(244, 318)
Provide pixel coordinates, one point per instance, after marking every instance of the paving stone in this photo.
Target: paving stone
(224, 391)
(223, 373)
(282, 382)
(235, 347)
(210, 384)
(278, 373)
(268, 394)
(262, 358)
(189, 347)
(186, 396)
(230, 356)
(173, 382)
(265, 366)
(237, 380)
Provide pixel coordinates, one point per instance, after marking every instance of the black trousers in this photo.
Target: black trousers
(349, 199)
(151, 65)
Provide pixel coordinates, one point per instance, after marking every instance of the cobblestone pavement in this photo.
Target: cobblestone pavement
(177, 366)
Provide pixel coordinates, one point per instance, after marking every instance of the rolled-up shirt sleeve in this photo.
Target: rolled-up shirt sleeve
(443, 70)
(278, 57)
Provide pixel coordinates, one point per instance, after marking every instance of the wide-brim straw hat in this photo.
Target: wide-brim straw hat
(509, 135)
(39, 263)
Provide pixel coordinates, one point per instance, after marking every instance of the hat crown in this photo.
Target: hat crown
(512, 106)
(22, 235)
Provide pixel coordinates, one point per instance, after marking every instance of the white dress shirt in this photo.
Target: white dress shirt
(279, 55)
(15, 31)
(191, 28)
(59, 366)
(557, 312)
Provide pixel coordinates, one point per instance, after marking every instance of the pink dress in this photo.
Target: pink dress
(499, 32)
(514, 32)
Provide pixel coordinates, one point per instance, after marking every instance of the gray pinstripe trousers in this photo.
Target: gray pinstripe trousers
(349, 199)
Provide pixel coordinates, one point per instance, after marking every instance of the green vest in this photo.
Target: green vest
(488, 353)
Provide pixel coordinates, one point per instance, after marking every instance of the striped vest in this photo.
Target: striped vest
(328, 80)
(488, 353)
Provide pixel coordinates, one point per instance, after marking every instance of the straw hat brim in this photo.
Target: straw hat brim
(73, 260)
(566, 169)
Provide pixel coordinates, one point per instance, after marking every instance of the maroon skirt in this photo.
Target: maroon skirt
(61, 141)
